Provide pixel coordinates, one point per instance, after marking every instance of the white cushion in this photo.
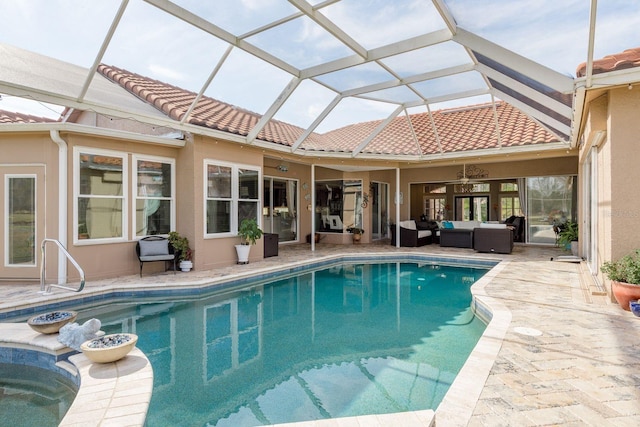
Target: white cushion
(501, 226)
(470, 225)
(409, 224)
(423, 233)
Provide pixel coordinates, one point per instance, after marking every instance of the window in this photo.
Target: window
(339, 204)
(21, 219)
(232, 194)
(154, 196)
(509, 200)
(435, 208)
(100, 183)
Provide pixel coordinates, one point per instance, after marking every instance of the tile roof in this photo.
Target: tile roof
(459, 129)
(629, 58)
(10, 117)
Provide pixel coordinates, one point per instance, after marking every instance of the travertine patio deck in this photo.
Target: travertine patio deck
(554, 354)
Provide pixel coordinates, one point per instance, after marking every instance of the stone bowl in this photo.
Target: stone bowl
(50, 323)
(109, 348)
(634, 306)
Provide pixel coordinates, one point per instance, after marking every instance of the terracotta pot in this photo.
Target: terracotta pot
(625, 292)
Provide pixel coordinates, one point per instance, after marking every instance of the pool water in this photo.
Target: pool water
(31, 396)
(347, 340)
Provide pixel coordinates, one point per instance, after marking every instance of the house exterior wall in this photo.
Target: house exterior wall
(117, 258)
(36, 154)
(617, 210)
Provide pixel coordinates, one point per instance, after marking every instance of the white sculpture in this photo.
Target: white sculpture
(73, 335)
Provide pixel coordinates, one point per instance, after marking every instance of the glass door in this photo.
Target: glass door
(379, 199)
(472, 208)
(280, 208)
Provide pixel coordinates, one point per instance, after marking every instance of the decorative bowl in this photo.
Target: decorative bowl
(634, 306)
(109, 348)
(50, 323)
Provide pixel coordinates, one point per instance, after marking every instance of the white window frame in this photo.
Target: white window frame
(235, 196)
(134, 189)
(8, 178)
(125, 194)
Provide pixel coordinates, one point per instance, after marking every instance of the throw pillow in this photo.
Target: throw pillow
(447, 225)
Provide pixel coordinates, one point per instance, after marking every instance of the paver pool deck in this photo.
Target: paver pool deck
(556, 353)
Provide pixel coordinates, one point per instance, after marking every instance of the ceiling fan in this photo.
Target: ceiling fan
(470, 175)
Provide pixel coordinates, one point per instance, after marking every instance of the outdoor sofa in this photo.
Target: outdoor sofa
(411, 235)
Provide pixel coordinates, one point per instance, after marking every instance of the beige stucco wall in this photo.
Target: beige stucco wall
(618, 210)
(33, 153)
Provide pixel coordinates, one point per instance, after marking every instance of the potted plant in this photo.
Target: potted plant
(568, 237)
(248, 232)
(357, 233)
(625, 278)
(181, 247)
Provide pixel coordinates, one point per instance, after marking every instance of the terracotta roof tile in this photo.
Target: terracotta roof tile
(7, 117)
(619, 61)
(460, 129)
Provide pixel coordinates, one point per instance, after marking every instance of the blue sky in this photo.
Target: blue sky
(155, 44)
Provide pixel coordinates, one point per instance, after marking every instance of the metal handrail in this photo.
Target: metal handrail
(43, 268)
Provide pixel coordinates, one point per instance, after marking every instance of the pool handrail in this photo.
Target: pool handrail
(43, 268)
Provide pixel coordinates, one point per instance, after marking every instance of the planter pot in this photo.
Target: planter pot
(574, 248)
(357, 238)
(186, 265)
(625, 292)
(50, 323)
(109, 348)
(243, 253)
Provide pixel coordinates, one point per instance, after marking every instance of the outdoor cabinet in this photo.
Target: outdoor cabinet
(270, 244)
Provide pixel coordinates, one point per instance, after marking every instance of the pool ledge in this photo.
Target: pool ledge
(458, 404)
(109, 394)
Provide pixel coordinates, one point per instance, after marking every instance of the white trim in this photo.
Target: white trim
(76, 193)
(235, 196)
(135, 158)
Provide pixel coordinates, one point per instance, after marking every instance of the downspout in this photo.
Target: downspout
(62, 201)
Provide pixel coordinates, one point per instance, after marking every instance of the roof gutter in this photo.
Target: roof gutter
(58, 127)
(62, 201)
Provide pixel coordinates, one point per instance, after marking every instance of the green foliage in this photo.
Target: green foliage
(356, 230)
(249, 231)
(568, 233)
(180, 245)
(626, 269)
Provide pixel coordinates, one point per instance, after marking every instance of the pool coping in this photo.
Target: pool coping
(124, 388)
(115, 393)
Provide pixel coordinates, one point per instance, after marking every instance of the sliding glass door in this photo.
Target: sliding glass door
(280, 208)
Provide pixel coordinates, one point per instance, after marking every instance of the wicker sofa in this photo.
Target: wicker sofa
(497, 239)
(411, 235)
(460, 236)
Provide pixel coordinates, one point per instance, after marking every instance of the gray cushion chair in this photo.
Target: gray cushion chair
(155, 248)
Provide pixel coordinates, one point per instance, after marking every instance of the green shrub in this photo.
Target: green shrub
(626, 269)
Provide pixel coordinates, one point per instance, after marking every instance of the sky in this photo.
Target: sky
(150, 42)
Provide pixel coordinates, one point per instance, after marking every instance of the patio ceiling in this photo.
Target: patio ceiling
(319, 65)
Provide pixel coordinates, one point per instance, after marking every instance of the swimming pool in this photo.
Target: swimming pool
(32, 396)
(345, 340)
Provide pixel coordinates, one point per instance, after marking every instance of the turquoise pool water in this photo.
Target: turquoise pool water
(350, 339)
(32, 396)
